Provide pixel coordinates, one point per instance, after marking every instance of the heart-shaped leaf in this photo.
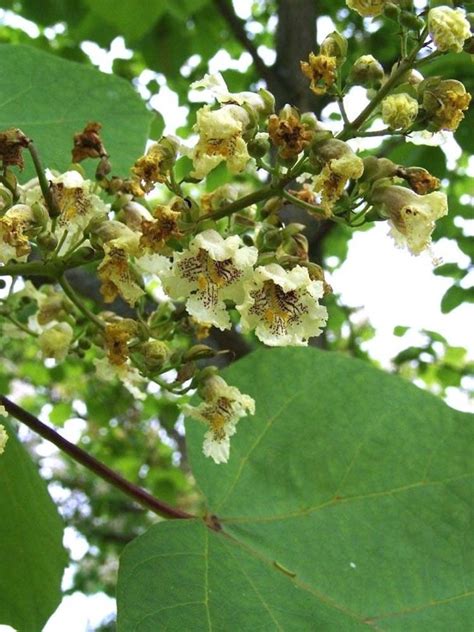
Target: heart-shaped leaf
(346, 504)
(50, 99)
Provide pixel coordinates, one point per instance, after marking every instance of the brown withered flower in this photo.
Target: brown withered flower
(419, 179)
(164, 226)
(12, 143)
(288, 133)
(117, 336)
(156, 164)
(88, 143)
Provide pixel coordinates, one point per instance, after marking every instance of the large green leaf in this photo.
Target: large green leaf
(32, 558)
(50, 99)
(346, 504)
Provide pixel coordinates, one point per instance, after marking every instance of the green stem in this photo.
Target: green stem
(44, 184)
(297, 202)
(350, 131)
(138, 494)
(52, 269)
(72, 296)
(238, 205)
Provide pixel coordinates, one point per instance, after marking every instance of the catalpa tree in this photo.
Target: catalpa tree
(295, 488)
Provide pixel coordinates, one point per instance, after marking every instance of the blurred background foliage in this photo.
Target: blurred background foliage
(168, 45)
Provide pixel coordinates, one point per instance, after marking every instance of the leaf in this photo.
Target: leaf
(51, 99)
(32, 558)
(346, 505)
(130, 21)
(456, 296)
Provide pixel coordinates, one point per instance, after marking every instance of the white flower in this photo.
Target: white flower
(220, 139)
(217, 86)
(127, 374)
(221, 409)
(77, 203)
(3, 436)
(412, 216)
(3, 412)
(449, 28)
(282, 306)
(55, 341)
(114, 272)
(210, 271)
(14, 243)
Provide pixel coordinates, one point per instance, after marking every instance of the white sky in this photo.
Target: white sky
(391, 286)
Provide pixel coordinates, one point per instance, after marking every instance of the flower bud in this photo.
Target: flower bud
(155, 353)
(377, 168)
(259, 146)
(199, 352)
(448, 28)
(268, 102)
(367, 72)
(47, 241)
(392, 11)
(399, 110)
(411, 21)
(335, 45)
(366, 8)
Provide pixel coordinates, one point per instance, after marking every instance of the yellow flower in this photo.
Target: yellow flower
(321, 70)
(367, 8)
(446, 102)
(399, 110)
(221, 409)
(448, 28)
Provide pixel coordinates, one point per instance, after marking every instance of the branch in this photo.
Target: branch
(140, 495)
(237, 26)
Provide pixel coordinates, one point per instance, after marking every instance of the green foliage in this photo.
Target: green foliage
(345, 503)
(32, 558)
(76, 95)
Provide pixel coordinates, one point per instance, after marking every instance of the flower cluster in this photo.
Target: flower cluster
(174, 255)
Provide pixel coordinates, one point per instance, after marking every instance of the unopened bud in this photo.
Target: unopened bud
(411, 21)
(367, 72)
(198, 352)
(47, 241)
(268, 102)
(155, 353)
(259, 146)
(335, 45)
(392, 11)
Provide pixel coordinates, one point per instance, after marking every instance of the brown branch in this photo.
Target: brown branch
(237, 26)
(140, 495)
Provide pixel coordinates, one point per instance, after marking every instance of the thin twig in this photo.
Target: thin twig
(140, 495)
